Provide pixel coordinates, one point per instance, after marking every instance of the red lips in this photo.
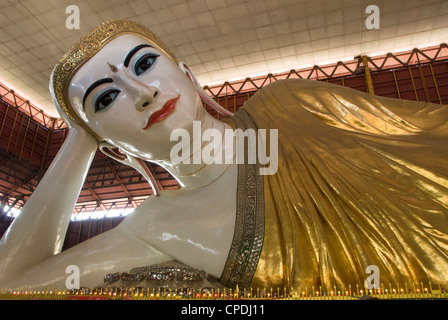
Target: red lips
(161, 114)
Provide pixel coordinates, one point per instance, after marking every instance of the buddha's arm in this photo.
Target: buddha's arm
(39, 230)
(109, 252)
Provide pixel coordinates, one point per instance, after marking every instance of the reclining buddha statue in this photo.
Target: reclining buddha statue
(361, 180)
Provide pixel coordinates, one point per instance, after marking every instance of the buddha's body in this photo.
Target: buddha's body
(361, 181)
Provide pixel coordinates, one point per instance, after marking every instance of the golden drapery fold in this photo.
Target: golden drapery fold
(362, 180)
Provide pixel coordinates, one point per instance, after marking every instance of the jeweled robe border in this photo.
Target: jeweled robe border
(248, 236)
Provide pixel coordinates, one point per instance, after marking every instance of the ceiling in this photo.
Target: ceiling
(222, 40)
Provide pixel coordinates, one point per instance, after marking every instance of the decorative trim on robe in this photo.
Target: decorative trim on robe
(248, 236)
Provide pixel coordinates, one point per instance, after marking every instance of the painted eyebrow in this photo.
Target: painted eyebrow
(93, 86)
(134, 51)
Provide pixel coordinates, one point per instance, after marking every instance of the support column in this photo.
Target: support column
(368, 76)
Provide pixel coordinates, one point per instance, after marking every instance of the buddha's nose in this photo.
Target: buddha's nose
(147, 99)
(145, 95)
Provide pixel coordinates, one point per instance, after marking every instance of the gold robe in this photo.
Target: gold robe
(362, 180)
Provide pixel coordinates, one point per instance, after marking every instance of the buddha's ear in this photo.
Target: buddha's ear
(204, 95)
(136, 163)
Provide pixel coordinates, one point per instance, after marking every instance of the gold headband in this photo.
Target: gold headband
(84, 50)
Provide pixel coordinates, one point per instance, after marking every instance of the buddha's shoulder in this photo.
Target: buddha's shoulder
(300, 84)
(294, 91)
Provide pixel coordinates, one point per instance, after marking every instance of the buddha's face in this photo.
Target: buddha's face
(133, 95)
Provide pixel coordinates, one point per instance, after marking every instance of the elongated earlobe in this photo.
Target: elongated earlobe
(204, 95)
(113, 152)
(136, 163)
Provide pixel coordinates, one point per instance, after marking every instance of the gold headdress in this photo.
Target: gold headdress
(84, 50)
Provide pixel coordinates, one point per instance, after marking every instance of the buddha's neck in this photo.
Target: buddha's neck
(202, 166)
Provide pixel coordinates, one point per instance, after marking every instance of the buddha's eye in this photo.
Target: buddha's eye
(106, 99)
(145, 63)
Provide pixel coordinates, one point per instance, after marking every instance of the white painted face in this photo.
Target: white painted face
(143, 83)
